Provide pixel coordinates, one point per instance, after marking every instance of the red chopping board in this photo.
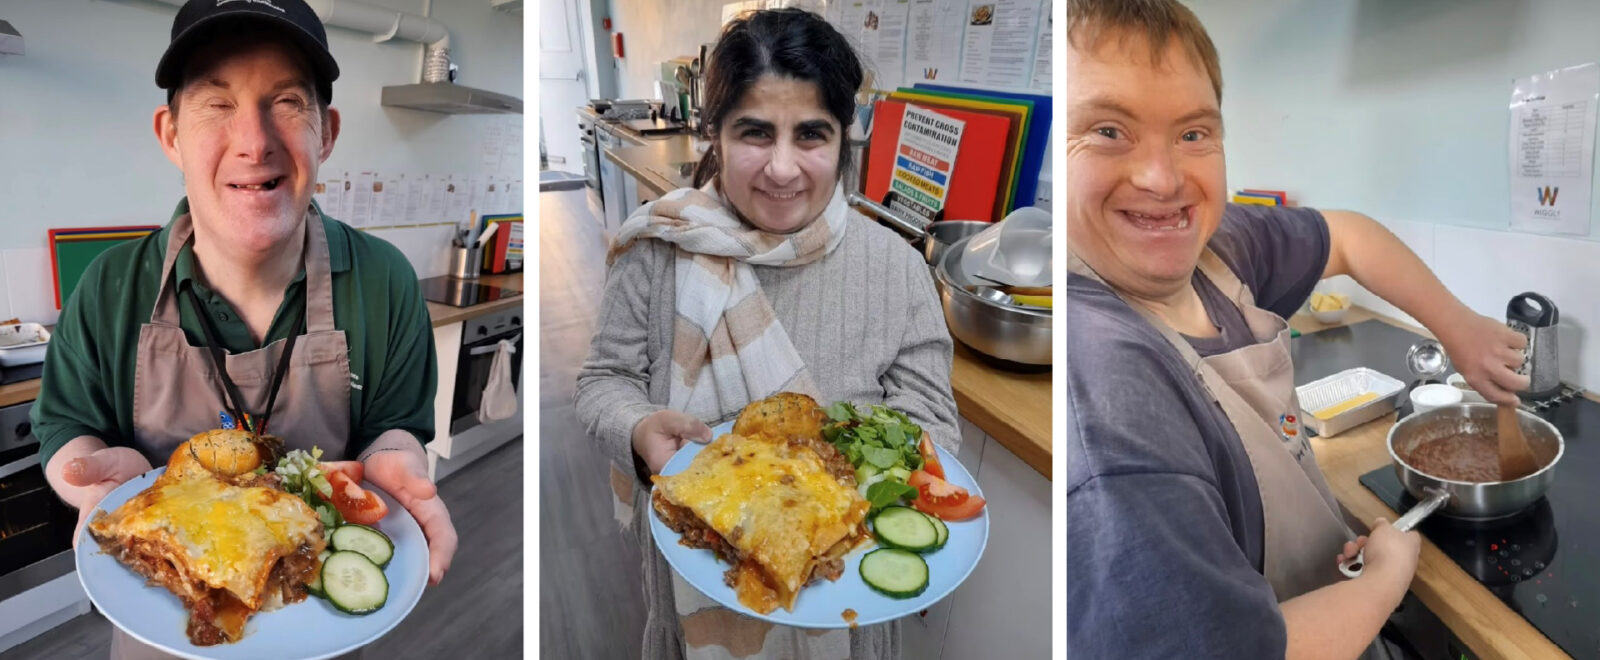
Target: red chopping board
(978, 169)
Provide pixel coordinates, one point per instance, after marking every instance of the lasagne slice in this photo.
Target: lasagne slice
(777, 509)
(227, 543)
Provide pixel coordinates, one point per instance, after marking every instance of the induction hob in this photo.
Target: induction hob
(450, 291)
(1544, 562)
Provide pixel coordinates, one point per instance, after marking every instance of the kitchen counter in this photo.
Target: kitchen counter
(1474, 615)
(1012, 408)
(658, 165)
(443, 315)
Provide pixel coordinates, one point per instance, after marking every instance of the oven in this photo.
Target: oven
(480, 338)
(38, 580)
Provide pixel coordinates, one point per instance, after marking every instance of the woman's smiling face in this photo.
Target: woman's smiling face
(779, 152)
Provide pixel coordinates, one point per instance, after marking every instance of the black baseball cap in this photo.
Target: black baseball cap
(197, 19)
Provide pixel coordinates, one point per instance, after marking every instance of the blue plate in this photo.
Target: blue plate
(308, 630)
(822, 605)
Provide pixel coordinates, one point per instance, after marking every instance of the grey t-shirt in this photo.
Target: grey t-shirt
(1164, 523)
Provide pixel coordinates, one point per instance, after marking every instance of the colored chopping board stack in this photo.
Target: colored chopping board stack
(1001, 152)
(71, 251)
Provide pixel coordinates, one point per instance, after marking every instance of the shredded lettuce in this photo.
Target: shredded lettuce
(302, 475)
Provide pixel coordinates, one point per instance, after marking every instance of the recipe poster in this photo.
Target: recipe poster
(1552, 150)
(1041, 55)
(933, 44)
(924, 159)
(999, 42)
(888, 51)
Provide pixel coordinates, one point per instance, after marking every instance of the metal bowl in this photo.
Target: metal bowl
(941, 235)
(1475, 500)
(1010, 333)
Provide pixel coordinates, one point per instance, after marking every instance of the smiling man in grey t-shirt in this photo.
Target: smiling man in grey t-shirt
(1183, 449)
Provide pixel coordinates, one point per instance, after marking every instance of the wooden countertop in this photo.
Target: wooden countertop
(1474, 615)
(656, 164)
(28, 390)
(1012, 408)
(445, 314)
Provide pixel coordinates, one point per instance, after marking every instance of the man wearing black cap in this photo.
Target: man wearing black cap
(250, 307)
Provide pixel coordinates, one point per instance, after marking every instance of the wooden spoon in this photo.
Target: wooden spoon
(1516, 458)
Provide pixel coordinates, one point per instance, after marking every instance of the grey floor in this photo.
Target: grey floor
(590, 602)
(478, 606)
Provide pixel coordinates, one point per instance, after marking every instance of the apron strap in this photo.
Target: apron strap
(319, 276)
(166, 308)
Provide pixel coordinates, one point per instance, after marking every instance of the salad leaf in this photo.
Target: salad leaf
(880, 457)
(886, 492)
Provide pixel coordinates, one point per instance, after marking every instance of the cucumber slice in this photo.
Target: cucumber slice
(905, 528)
(895, 573)
(365, 540)
(353, 583)
(315, 585)
(941, 528)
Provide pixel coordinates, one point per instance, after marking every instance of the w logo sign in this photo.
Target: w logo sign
(1547, 195)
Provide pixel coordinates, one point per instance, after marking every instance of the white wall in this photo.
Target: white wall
(77, 146)
(657, 30)
(1399, 110)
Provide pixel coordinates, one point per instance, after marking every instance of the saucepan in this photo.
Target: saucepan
(1414, 441)
(933, 239)
(1008, 335)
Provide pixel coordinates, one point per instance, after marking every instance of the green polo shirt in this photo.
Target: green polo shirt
(87, 386)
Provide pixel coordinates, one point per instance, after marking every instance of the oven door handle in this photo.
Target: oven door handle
(482, 350)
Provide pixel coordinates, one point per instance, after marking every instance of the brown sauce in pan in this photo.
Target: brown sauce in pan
(1470, 458)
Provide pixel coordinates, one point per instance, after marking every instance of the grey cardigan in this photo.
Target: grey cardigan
(865, 319)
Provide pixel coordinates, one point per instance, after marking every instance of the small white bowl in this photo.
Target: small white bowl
(1433, 396)
(1468, 394)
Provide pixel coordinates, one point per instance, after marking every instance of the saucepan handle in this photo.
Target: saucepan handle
(1437, 498)
(869, 207)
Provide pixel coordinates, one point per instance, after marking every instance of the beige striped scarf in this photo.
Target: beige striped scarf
(728, 348)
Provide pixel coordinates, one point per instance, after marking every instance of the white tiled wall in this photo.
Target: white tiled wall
(27, 292)
(1485, 268)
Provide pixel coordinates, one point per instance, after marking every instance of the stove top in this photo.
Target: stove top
(1544, 562)
(462, 293)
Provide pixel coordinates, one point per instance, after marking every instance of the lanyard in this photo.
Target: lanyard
(232, 398)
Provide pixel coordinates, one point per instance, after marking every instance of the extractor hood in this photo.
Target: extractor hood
(450, 98)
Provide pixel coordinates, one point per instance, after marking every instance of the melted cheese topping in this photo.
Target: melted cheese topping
(225, 536)
(772, 501)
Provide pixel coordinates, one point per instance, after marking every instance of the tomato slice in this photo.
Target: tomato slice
(354, 504)
(938, 497)
(930, 458)
(972, 506)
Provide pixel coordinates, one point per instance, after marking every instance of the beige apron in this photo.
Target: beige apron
(1303, 527)
(177, 392)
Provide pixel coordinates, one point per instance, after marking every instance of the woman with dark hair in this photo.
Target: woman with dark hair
(758, 280)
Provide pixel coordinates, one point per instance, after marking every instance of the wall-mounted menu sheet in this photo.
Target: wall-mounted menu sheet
(885, 42)
(330, 197)
(457, 200)
(362, 203)
(998, 49)
(416, 190)
(933, 44)
(1041, 55)
(1552, 150)
(391, 202)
